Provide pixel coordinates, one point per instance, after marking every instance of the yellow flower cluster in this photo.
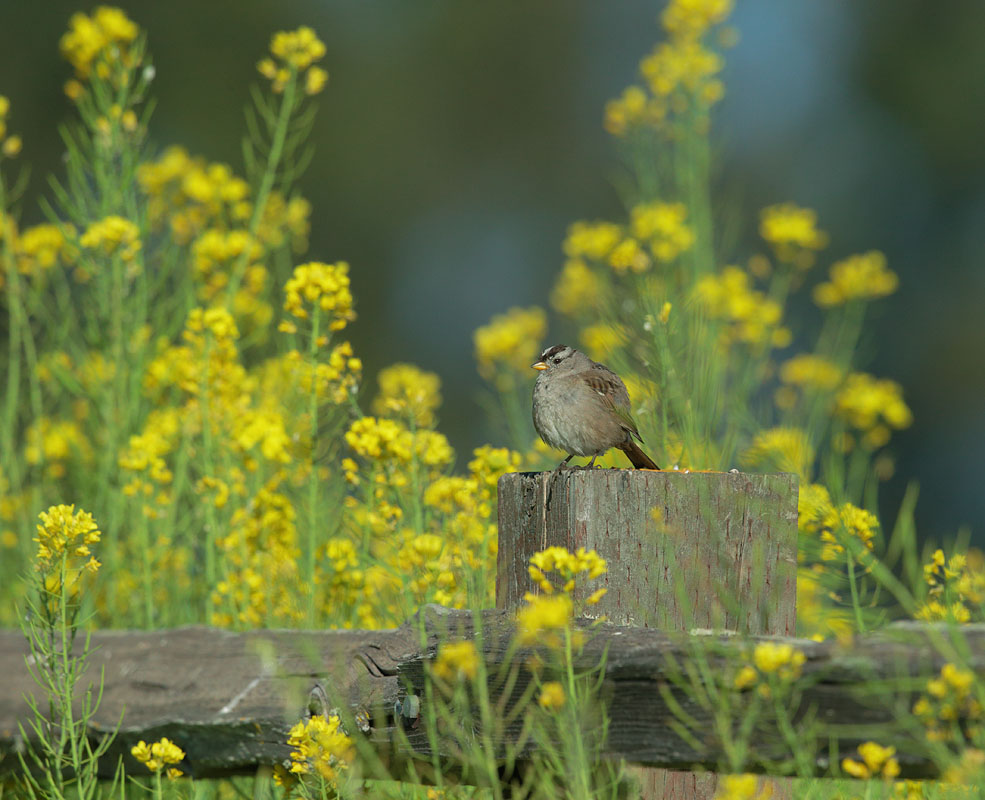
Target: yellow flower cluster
(873, 406)
(189, 194)
(785, 449)
(262, 584)
(447, 544)
(410, 393)
(950, 709)
(811, 371)
(792, 232)
(594, 240)
(859, 277)
(66, 533)
(324, 287)
(509, 344)
(113, 235)
(601, 340)
(159, 755)
(656, 231)
(10, 145)
(101, 41)
(772, 663)
(576, 289)
(215, 251)
(545, 616)
(662, 226)
(551, 696)
(691, 18)
(145, 457)
(40, 248)
(456, 661)
(54, 443)
(742, 787)
(957, 587)
(321, 746)
(877, 762)
(679, 73)
(752, 318)
(334, 380)
(296, 51)
(817, 618)
(388, 440)
(833, 527)
(569, 567)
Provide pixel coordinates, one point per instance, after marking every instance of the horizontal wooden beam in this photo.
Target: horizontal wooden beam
(228, 699)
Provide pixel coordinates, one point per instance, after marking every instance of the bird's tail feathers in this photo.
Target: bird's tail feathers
(640, 459)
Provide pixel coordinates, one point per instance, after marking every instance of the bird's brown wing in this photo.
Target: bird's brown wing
(613, 394)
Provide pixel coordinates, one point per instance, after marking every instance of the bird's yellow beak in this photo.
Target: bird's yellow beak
(539, 366)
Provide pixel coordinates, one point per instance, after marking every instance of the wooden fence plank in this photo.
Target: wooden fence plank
(229, 698)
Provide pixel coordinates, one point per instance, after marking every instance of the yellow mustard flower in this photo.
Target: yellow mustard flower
(692, 18)
(663, 226)
(849, 522)
(11, 146)
(877, 762)
(967, 770)
(602, 340)
(551, 696)
(782, 659)
(786, 449)
(627, 111)
(320, 745)
(295, 51)
(792, 232)
(113, 235)
(457, 660)
(683, 65)
(375, 438)
(859, 277)
(299, 48)
(576, 289)
(41, 247)
(872, 405)
(817, 619)
(593, 240)
(102, 37)
(66, 532)
(408, 391)
(742, 787)
(956, 587)
(314, 80)
(629, 255)
(543, 617)
(811, 371)
(752, 317)
(509, 344)
(325, 286)
(159, 755)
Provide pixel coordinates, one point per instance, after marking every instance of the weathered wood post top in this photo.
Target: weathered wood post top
(685, 549)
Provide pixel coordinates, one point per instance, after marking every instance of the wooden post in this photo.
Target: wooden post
(684, 551)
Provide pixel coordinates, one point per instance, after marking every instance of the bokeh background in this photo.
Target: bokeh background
(456, 141)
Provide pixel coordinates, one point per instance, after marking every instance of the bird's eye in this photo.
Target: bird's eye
(556, 360)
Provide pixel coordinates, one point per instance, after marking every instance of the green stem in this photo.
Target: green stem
(856, 604)
(312, 475)
(267, 181)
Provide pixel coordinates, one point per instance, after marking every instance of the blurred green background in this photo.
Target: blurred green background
(456, 141)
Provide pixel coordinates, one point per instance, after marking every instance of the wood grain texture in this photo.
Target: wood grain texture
(228, 699)
(685, 550)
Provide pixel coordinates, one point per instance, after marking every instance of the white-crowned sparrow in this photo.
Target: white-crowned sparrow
(582, 407)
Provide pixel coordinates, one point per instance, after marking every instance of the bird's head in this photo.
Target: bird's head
(553, 356)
